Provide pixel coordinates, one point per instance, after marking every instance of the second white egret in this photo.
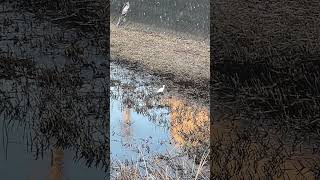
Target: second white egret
(161, 89)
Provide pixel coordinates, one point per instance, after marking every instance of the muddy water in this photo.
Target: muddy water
(145, 124)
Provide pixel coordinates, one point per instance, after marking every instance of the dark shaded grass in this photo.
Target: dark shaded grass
(266, 73)
(88, 16)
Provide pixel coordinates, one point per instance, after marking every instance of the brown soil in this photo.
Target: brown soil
(185, 60)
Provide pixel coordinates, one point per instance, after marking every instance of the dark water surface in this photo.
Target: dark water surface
(37, 132)
(188, 16)
(47, 102)
(18, 163)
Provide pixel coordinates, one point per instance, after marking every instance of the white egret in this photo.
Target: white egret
(161, 89)
(124, 12)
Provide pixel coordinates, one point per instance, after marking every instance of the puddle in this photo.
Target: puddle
(144, 123)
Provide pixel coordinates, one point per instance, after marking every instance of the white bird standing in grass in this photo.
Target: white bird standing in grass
(124, 12)
(161, 89)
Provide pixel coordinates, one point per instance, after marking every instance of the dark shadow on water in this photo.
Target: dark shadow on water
(55, 109)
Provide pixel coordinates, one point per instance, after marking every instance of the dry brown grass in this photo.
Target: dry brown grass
(185, 60)
(167, 167)
(87, 17)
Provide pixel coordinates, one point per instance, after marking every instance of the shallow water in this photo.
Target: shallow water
(27, 151)
(133, 131)
(17, 162)
(143, 123)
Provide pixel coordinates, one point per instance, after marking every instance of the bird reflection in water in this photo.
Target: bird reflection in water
(127, 104)
(126, 125)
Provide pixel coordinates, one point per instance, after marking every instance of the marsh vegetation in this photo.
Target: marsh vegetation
(266, 77)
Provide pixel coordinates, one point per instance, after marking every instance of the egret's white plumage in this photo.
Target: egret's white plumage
(125, 9)
(124, 12)
(161, 89)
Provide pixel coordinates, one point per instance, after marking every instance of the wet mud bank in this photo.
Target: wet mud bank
(185, 62)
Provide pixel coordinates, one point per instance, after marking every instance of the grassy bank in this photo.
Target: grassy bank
(184, 61)
(266, 72)
(162, 167)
